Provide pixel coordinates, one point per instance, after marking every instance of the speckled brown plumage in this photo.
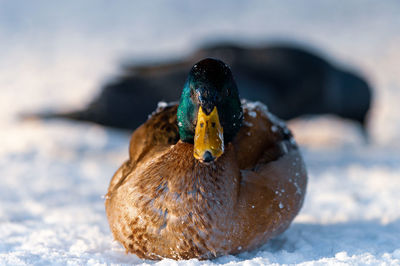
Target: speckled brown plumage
(163, 202)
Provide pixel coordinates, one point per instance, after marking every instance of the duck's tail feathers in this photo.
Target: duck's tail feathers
(74, 115)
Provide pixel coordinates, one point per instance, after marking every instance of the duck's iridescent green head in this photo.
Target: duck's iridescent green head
(209, 112)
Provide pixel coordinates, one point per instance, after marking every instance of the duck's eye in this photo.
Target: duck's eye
(201, 124)
(213, 124)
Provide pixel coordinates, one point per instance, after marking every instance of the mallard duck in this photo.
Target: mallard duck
(210, 176)
(292, 81)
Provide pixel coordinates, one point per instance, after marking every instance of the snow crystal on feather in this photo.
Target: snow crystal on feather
(160, 107)
(252, 107)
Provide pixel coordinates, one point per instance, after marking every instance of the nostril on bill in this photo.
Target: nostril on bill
(207, 157)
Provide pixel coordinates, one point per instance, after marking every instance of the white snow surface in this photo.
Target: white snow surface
(55, 55)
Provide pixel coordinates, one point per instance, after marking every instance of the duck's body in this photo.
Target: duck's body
(164, 203)
(201, 193)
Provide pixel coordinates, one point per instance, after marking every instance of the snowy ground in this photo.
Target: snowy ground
(53, 174)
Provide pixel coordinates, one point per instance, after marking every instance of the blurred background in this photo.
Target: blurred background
(67, 51)
(58, 55)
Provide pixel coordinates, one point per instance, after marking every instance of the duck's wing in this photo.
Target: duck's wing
(155, 135)
(262, 138)
(263, 141)
(273, 175)
(160, 130)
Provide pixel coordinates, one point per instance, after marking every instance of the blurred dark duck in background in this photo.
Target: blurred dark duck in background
(291, 81)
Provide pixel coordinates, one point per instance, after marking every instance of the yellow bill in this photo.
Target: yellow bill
(209, 136)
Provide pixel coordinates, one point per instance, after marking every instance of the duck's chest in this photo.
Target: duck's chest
(201, 196)
(185, 207)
